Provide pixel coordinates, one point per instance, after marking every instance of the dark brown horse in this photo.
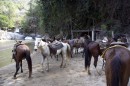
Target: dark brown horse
(91, 48)
(117, 66)
(20, 52)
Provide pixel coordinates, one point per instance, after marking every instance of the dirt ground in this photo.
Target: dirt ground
(72, 75)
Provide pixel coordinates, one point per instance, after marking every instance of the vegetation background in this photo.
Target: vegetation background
(55, 16)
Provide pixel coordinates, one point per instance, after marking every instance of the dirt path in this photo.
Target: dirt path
(73, 75)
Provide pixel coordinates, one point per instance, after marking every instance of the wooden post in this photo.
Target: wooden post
(71, 34)
(93, 35)
(112, 34)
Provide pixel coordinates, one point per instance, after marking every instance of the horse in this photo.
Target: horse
(21, 51)
(47, 50)
(79, 44)
(91, 48)
(74, 44)
(117, 66)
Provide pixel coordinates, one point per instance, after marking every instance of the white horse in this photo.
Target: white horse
(65, 51)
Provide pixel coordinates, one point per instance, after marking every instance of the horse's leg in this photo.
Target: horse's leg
(21, 66)
(56, 56)
(83, 54)
(77, 50)
(124, 79)
(29, 62)
(17, 68)
(46, 63)
(61, 61)
(43, 59)
(108, 75)
(89, 62)
(86, 62)
(71, 52)
(103, 63)
(51, 55)
(124, 82)
(65, 60)
(87, 57)
(95, 61)
(47, 67)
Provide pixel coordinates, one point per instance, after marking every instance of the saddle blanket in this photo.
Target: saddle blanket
(55, 47)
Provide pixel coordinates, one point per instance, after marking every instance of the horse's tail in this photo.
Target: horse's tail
(87, 56)
(115, 67)
(68, 51)
(29, 61)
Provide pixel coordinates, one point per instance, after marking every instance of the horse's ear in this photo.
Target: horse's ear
(43, 40)
(20, 41)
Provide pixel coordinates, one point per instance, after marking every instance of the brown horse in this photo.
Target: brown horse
(117, 66)
(91, 48)
(20, 52)
(74, 45)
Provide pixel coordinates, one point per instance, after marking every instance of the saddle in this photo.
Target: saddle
(54, 47)
(14, 49)
(119, 43)
(110, 48)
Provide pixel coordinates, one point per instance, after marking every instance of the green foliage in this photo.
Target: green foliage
(53, 16)
(70, 14)
(4, 20)
(10, 11)
(103, 27)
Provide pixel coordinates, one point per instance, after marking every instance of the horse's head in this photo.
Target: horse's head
(40, 43)
(37, 41)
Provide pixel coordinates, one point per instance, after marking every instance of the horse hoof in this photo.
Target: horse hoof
(43, 71)
(47, 70)
(61, 66)
(84, 70)
(29, 77)
(95, 65)
(64, 66)
(14, 78)
(89, 73)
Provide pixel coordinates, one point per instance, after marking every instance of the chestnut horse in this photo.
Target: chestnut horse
(20, 52)
(117, 66)
(91, 48)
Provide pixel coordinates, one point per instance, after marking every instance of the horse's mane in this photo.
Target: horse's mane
(87, 41)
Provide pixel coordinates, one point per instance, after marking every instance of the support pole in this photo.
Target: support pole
(93, 35)
(112, 34)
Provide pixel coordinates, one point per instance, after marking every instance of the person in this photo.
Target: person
(123, 39)
(105, 39)
(119, 40)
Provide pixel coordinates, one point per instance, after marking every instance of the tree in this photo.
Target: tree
(4, 21)
(62, 15)
(11, 10)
